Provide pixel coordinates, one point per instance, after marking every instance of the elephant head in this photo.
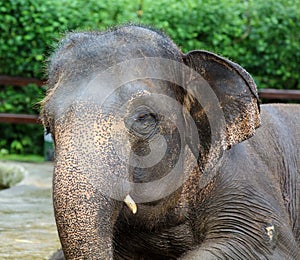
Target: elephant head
(131, 117)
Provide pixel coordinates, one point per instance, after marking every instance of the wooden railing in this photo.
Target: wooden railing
(283, 94)
(270, 94)
(21, 82)
(19, 118)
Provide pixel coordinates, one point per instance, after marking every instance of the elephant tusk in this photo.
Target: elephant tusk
(130, 204)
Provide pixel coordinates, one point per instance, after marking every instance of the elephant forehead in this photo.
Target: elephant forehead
(80, 53)
(106, 96)
(114, 95)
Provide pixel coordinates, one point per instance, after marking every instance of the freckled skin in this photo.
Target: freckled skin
(245, 207)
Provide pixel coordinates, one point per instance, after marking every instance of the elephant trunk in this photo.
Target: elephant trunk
(88, 190)
(84, 216)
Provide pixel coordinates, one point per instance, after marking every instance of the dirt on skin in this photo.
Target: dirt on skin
(27, 225)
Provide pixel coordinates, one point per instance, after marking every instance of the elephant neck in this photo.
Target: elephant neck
(198, 187)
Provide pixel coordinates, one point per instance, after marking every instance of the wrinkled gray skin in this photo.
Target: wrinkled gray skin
(249, 205)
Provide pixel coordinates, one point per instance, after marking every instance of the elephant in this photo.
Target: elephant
(161, 154)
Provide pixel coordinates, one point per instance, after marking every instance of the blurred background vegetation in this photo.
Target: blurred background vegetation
(261, 35)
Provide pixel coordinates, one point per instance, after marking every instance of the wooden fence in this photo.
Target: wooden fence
(20, 82)
(269, 94)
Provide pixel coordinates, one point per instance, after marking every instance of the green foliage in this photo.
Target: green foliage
(30, 28)
(22, 157)
(261, 35)
(27, 30)
(20, 138)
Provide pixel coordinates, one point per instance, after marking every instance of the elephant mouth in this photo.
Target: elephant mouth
(133, 207)
(153, 203)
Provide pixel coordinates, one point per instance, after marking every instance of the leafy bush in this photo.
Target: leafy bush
(261, 35)
(17, 138)
(30, 28)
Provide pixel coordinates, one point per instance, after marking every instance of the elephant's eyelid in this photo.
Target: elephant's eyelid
(142, 124)
(142, 116)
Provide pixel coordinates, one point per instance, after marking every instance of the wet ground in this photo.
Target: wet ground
(27, 225)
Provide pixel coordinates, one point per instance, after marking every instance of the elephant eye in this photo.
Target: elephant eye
(142, 122)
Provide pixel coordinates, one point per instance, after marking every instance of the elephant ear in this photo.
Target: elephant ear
(235, 90)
